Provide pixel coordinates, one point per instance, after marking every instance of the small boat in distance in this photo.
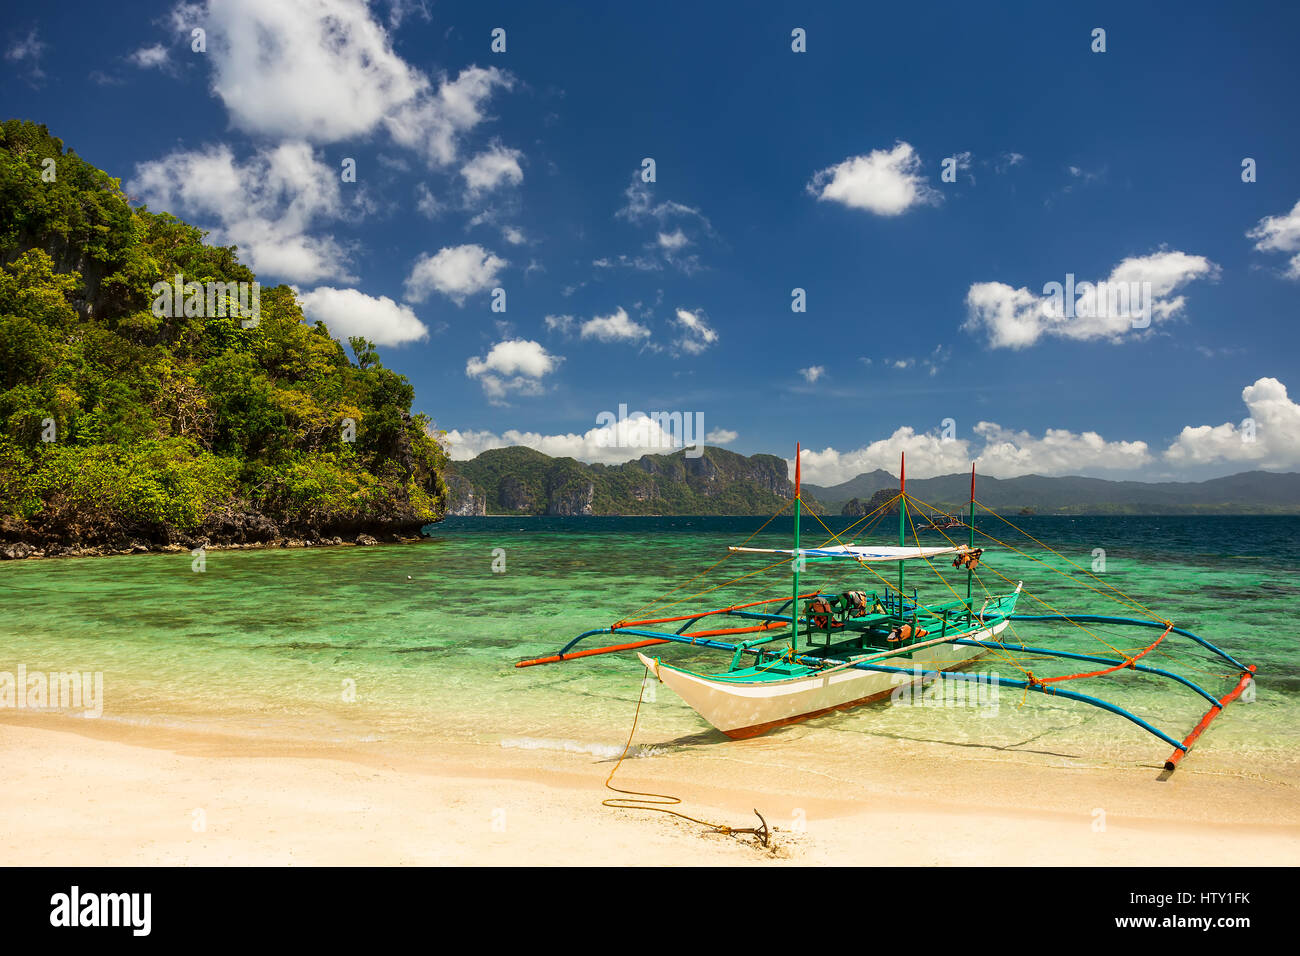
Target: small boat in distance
(812, 651)
(942, 522)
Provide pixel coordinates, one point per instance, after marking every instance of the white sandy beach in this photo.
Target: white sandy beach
(93, 793)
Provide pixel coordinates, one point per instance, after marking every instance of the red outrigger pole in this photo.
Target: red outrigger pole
(1213, 712)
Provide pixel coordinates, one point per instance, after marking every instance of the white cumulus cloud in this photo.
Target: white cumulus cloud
(1280, 234)
(512, 366)
(998, 452)
(433, 125)
(928, 455)
(621, 441)
(1058, 452)
(149, 57)
(454, 271)
(616, 327)
(1016, 318)
(286, 69)
(267, 205)
(697, 334)
(673, 240)
(493, 168)
(884, 182)
(325, 71)
(348, 312)
(1269, 437)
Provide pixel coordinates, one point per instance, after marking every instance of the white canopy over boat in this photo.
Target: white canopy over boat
(854, 553)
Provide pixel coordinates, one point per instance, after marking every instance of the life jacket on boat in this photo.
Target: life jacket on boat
(823, 614)
(855, 603)
(907, 632)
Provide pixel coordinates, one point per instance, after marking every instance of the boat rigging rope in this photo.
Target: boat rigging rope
(701, 574)
(1003, 654)
(1119, 596)
(689, 597)
(1125, 598)
(877, 514)
(944, 580)
(1129, 659)
(1065, 574)
(865, 566)
(849, 530)
(659, 802)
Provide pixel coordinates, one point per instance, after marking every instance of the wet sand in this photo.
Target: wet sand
(86, 792)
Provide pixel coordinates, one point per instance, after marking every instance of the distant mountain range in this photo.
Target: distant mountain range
(1251, 492)
(520, 481)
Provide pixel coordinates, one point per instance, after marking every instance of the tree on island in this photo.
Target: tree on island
(123, 422)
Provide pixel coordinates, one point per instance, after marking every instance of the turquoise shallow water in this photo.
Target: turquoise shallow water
(270, 642)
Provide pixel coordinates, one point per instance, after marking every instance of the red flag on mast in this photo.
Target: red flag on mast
(796, 469)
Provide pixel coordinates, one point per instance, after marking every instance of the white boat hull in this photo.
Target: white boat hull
(746, 709)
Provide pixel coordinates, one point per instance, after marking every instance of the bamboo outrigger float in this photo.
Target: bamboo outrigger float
(842, 649)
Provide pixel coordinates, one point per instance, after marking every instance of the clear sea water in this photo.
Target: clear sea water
(271, 643)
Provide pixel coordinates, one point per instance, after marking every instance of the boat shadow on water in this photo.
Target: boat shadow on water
(797, 732)
(1021, 746)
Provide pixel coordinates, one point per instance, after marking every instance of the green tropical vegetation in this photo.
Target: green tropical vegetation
(118, 424)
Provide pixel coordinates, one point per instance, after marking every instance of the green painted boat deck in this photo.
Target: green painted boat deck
(869, 633)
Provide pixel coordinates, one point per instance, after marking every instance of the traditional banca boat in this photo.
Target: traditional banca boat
(814, 651)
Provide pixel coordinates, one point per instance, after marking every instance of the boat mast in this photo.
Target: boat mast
(794, 604)
(969, 572)
(902, 521)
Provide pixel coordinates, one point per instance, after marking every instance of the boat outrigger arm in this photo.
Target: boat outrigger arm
(863, 555)
(774, 624)
(859, 646)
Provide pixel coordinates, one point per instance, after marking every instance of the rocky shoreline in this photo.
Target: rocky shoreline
(21, 550)
(225, 532)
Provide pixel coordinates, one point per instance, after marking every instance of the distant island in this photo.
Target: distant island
(153, 397)
(521, 481)
(881, 500)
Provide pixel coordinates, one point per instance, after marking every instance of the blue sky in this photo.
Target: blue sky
(775, 170)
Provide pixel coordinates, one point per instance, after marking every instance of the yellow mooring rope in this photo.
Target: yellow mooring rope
(658, 802)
